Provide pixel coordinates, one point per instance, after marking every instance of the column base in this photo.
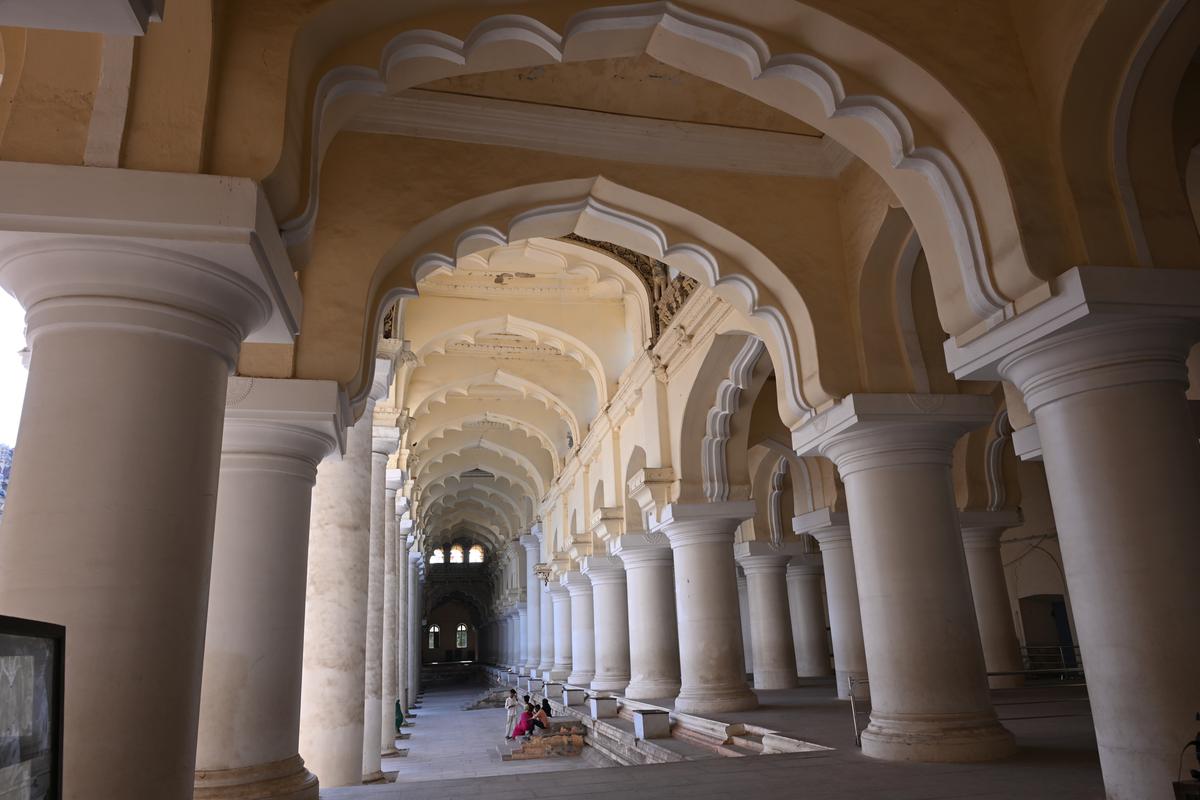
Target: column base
(774, 679)
(942, 739)
(651, 689)
(375, 777)
(286, 779)
(583, 679)
(718, 700)
(557, 674)
(611, 683)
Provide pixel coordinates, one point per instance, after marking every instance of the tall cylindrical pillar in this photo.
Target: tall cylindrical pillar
(335, 619)
(583, 629)
(832, 532)
(390, 690)
(131, 349)
(653, 633)
(770, 623)
(403, 637)
(1123, 466)
(743, 587)
(561, 600)
(547, 606)
(808, 616)
(383, 443)
(981, 543)
(611, 611)
(710, 638)
(929, 693)
(533, 603)
(276, 432)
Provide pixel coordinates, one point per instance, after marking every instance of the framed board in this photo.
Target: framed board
(31, 708)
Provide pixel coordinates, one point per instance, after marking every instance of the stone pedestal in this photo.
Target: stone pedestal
(135, 310)
(831, 529)
(653, 634)
(276, 432)
(771, 628)
(651, 724)
(561, 600)
(928, 688)
(981, 543)
(533, 600)
(573, 697)
(710, 638)
(603, 707)
(611, 610)
(808, 616)
(583, 630)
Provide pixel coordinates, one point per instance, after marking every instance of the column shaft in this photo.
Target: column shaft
(403, 636)
(711, 664)
(547, 606)
(388, 694)
(989, 589)
(744, 617)
(533, 604)
(253, 657)
(1123, 466)
(335, 618)
(808, 616)
(373, 672)
(611, 618)
(771, 627)
(583, 630)
(841, 590)
(653, 633)
(562, 632)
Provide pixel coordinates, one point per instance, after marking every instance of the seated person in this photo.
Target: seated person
(524, 725)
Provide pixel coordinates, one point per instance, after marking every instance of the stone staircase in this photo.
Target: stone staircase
(563, 737)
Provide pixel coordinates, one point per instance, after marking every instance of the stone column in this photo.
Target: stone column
(1123, 467)
(132, 341)
(276, 432)
(533, 603)
(390, 690)
(832, 532)
(561, 600)
(981, 532)
(808, 616)
(711, 663)
(547, 606)
(583, 630)
(611, 619)
(928, 687)
(653, 633)
(771, 627)
(744, 618)
(384, 442)
(403, 634)
(335, 617)
(416, 613)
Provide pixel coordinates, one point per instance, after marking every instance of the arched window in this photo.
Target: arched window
(460, 636)
(435, 633)
(456, 554)
(475, 554)
(438, 556)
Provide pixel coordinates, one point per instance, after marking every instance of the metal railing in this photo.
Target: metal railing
(1051, 657)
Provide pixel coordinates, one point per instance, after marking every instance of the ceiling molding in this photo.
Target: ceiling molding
(595, 134)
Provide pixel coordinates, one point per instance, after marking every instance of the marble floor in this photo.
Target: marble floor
(452, 756)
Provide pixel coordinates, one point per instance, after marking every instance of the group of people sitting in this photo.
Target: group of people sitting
(531, 716)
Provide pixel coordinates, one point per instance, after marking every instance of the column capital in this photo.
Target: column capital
(807, 565)
(1141, 316)
(532, 545)
(558, 592)
(603, 569)
(185, 255)
(300, 419)
(576, 583)
(394, 480)
(643, 549)
(867, 431)
(688, 524)
(384, 440)
(830, 528)
(758, 558)
(983, 529)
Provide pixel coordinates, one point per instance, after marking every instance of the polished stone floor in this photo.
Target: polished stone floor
(452, 756)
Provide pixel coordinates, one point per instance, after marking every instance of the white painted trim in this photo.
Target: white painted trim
(106, 129)
(714, 469)
(595, 134)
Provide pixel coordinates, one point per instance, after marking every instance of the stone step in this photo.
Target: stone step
(749, 741)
